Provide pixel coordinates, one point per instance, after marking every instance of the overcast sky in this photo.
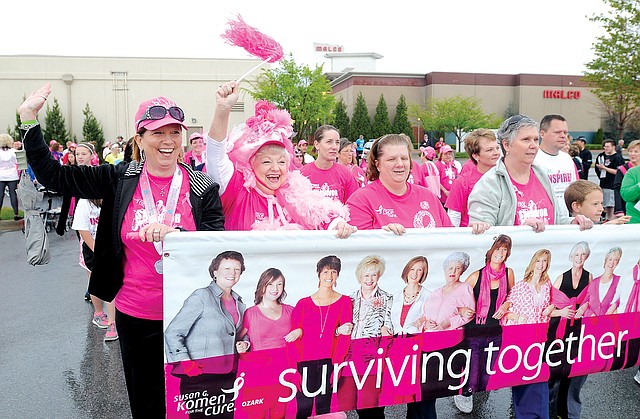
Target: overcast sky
(491, 36)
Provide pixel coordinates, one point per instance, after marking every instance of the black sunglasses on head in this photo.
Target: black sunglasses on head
(158, 112)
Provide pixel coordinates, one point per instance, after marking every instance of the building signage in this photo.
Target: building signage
(327, 47)
(561, 94)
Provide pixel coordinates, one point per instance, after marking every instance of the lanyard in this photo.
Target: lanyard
(172, 201)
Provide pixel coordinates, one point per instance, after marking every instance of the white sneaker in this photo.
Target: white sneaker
(463, 403)
(637, 376)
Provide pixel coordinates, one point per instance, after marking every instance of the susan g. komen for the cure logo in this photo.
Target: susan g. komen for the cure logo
(211, 405)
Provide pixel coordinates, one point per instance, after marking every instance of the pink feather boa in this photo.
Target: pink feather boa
(240, 34)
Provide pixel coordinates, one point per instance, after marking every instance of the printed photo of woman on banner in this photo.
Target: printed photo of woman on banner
(208, 326)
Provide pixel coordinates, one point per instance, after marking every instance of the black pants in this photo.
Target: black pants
(13, 197)
(141, 345)
(314, 381)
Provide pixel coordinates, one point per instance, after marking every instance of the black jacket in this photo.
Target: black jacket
(115, 185)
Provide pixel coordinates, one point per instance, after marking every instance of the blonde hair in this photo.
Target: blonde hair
(528, 273)
(577, 192)
(633, 144)
(472, 141)
(372, 261)
(6, 141)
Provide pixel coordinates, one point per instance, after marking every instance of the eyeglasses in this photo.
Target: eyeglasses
(158, 112)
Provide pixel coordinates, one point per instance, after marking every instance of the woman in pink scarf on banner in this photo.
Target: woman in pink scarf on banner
(491, 285)
(389, 201)
(566, 295)
(260, 190)
(633, 306)
(142, 202)
(371, 324)
(334, 180)
(603, 295)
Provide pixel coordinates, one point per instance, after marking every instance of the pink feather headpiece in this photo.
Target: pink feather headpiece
(256, 43)
(269, 125)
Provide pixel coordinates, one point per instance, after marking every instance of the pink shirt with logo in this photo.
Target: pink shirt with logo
(141, 292)
(459, 194)
(532, 201)
(336, 183)
(374, 206)
(448, 173)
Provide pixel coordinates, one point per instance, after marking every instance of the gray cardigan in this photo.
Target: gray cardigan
(493, 199)
(203, 328)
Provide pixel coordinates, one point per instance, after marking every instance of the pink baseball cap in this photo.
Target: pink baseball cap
(445, 149)
(173, 114)
(195, 135)
(302, 142)
(429, 152)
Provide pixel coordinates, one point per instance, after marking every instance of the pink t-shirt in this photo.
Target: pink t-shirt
(198, 160)
(320, 320)
(415, 176)
(532, 201)
(232, 308)
(141, 292)
(336, 183)
(359, 175)
(459, 194)
(439, 307)
(374, 206)
(266, 333)
(448, 173)
(526, 301)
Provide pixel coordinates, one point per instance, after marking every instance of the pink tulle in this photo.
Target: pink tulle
(256, 43)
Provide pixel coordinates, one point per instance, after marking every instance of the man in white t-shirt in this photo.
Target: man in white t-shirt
(559, 166)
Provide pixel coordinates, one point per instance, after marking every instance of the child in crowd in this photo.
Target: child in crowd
(584, 197)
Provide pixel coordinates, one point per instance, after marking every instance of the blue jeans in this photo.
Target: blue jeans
(531, 401)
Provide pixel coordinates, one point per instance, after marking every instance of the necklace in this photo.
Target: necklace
(323, 323)
(409, 299)
(158, 186)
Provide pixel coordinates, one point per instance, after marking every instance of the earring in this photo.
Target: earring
(142, 156)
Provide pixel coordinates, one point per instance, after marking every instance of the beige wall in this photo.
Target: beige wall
(524, 91)
(191, 83)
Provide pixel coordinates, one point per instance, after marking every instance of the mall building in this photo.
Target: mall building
(113, 88)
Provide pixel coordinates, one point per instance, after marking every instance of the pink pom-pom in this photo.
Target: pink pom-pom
(252, 40)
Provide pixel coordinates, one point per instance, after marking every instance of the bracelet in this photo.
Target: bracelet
(27, 125)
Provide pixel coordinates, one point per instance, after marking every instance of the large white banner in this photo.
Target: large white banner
(296, 376)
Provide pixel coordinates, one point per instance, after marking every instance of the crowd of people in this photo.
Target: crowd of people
(255, 178)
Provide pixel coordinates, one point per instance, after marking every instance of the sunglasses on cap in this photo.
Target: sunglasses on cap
(158, 112)
(514, 120)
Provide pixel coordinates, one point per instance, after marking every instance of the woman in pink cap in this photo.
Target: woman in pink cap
(142, 202)
(254, 167)
(197, 156)
(429, 170)
(448, 170)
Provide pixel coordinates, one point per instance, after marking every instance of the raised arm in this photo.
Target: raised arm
(226, 97)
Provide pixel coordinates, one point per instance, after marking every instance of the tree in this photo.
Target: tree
(456, 114)
(360, 122)
(401, 124)
(511, 110)
(14, 131)
(615, 71)
(381, 124)
(92, 130)
(54, 125)
(304, 92)
(340, 118)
